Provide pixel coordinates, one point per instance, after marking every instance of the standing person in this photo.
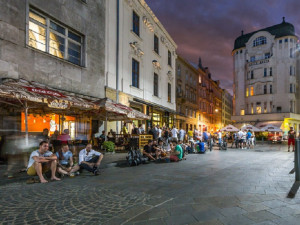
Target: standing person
(240, 138)
(181, 134)
(159, 131)
(166, 135)
(249, 139)
(154, 131)
(65, 138)
(90, 159)
(234, 140)
(291, 138)
(244, 139)
(41, 161)
(220, 137)
(174, 133)
(135, 130)
(141, 129)
(125, 131)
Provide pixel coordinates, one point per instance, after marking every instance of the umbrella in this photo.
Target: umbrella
(230, 128)
(271, 128)
(250, 127)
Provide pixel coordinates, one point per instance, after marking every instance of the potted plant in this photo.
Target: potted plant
(109, 146)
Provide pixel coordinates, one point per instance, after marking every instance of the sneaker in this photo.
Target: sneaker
(96, 172)
(77, 173)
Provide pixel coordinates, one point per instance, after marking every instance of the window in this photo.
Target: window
(135, 23)
(271, 91)
(280, 41)
(286, 40)
(258, 109)
(252, 74)
(291, 53)
(265, 72)
(271, 74)
(278, 109)
(291, 88)
(179, 70)
(291, 106)
(260, 41)
(169, 58)
(135, 73)
(265, 107)
(155, 91)
(241, 51)
(169, 92)
(251, 91)
(271, 105)
(252, 111)
(252, 58)
(247, 92)
(200, 81)
(265, 89)
(242, 112)
(49, 36)
(267, 55)
(156, 44)
(291, 70)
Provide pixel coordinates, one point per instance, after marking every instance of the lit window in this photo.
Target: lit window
(242, 112)
(59, 38)
(251, 91)
(265, 107)
(258, 109)
(247, 92)
(260, 41)
(252, 111)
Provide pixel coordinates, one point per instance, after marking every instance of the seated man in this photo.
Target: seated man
(65, 161)
(90, 159)
(177, 152)
(41, 161)
(148, 150)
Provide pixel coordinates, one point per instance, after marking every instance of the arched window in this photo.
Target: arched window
(260, 41)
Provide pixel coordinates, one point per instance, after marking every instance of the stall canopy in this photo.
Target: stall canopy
(250, 127)
(230, 128)
(271, 128)
(113, 111)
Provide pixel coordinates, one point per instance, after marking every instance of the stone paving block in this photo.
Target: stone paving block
(266, 223)
(180, 219)
(229, 212)
(236, 220)
(210, 222)
(261, 216)
(274, 203)
(283, 211)
(253, 207)
(149, 222)
(207, 215)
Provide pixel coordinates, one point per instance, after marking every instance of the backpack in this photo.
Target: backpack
(135, 158)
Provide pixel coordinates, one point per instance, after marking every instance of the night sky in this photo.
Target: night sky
(208, 28)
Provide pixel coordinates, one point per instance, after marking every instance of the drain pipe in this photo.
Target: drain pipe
(117, 59)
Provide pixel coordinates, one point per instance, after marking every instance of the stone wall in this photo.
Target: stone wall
(18, 60)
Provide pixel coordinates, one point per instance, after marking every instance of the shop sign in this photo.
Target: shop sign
(45, 92)
(59, 104)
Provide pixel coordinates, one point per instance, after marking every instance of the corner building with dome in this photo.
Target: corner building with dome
(266, 77)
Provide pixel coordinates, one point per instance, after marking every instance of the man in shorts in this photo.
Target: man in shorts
(291, 140)
(41, 161)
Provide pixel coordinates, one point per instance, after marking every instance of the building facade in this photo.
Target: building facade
(265, 77)
(226, 108)
(187, 79)
(49, 42)
(140, 66)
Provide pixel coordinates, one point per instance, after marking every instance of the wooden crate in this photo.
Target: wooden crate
(143, 140)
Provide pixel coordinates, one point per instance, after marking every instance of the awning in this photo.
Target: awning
(250, 127)
(159, 107)
(230, 128)
(112, 111)
(33, 92)
(266, 123)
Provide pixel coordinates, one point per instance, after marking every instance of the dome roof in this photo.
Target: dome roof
(279, 30)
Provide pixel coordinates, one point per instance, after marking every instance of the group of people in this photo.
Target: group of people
(243, 139)
(43, 160)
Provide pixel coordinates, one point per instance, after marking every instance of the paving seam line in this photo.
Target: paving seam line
(147, 210)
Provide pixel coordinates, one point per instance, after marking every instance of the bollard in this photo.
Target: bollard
(296, 169)
(297, 160)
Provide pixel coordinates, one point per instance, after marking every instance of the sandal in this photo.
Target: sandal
(30, 181)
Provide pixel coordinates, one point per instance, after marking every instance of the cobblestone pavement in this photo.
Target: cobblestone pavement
(219, 187)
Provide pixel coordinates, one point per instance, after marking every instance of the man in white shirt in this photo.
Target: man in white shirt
(90, 159)
(240, 138)
(41, 161)
(181, 134)
(159, 131)
(174, 133)
(220, 137)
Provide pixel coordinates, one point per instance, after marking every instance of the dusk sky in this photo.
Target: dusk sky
(208, 28)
